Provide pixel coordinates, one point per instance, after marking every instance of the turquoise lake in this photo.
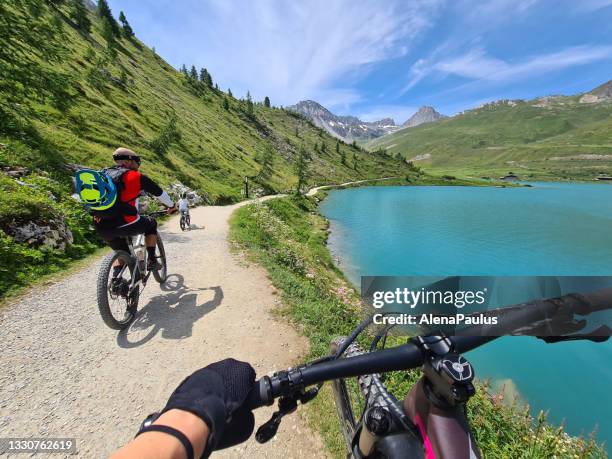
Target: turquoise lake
(549, 229)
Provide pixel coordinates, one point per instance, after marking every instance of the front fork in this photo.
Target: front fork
(436, 404)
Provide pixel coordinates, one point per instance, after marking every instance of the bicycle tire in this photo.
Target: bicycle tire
(188, 221)
(342, 400)
(161, 275)
(103, 292)
(182, 223)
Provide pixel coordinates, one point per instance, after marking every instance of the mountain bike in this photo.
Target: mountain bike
(185, 221)
(118, 296)
(431, 421)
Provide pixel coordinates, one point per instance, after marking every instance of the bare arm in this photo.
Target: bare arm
(158, 445)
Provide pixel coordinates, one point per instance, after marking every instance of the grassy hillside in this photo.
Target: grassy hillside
(553, 137)
(69, 95)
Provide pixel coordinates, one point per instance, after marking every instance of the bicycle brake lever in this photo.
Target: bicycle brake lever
(267, 430)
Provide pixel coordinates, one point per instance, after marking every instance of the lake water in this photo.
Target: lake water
(550, 229)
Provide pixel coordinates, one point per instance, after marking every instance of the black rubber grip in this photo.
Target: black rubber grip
(261, 394)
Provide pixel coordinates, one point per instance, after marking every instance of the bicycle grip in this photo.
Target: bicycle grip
(261, 394)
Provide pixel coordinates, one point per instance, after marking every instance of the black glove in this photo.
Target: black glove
(216, 395)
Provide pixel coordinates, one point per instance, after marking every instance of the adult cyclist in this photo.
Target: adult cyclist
(129, 222)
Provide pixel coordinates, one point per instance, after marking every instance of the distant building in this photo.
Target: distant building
(511, 177)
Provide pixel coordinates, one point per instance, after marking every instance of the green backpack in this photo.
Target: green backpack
(99, 190)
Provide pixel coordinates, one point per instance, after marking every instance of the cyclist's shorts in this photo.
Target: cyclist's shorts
(115, 237)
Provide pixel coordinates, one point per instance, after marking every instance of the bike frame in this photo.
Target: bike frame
(137, 278)
(423, 426)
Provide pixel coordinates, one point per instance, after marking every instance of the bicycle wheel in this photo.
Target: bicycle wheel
(161, 274)
(188, 220)
(117, 307)
(349, 400)
(183, 223)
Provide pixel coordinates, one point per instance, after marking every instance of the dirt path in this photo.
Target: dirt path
(64, 374)
(315, 190)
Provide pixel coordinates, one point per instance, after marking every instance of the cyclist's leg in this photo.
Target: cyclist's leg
(118, 243)
(144, 225)
(114, 238)
(150, 231)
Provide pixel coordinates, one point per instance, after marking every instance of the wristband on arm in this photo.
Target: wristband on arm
(180, 436)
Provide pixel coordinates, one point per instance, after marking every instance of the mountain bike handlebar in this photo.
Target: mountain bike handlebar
(404, 357)
(410, 355)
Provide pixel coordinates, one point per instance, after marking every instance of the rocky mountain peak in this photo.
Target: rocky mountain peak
(425, 114)
(347, 128)
(601, 93)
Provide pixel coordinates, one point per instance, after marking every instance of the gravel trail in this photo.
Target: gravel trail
(65, 374)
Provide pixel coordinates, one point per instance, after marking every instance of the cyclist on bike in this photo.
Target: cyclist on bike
(206, 412)
(183, 205)
(129, 222)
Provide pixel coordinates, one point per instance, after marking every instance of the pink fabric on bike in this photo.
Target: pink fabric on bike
(429, 453)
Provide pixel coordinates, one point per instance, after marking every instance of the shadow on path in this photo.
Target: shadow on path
(173, 313)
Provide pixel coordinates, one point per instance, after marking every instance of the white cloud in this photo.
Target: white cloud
(591, 5)
(296, 50)
(477, 65)
(474, 64)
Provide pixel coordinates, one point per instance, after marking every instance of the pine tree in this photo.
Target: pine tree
(343, 158)
(297, 132)
(323, 147)
(104, 12)
(337, 147)
(216, 87)
(107, 33)
(125, 25)
(229, 92)
(168, 135)
(267, 102)
(206, 78)
(226, 105)
(193, 73)
(354, 161)
(78, 13)
(184, 70)
(265, 157)
(301, 168)
(249, 105)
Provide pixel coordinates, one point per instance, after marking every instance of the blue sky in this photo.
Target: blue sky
(375, 59)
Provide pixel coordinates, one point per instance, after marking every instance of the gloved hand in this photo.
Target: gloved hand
(216, 394)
